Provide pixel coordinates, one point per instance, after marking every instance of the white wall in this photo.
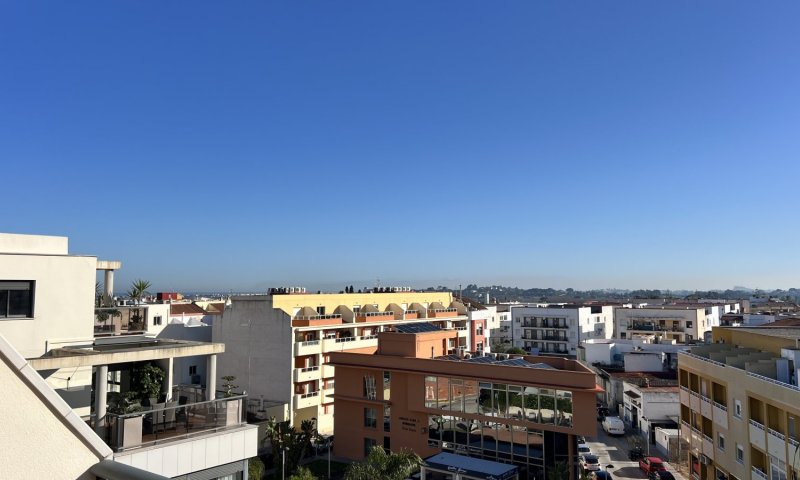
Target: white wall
(63, 308)
(644, 362)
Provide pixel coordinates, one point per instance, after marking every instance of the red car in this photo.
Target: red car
(651, 464)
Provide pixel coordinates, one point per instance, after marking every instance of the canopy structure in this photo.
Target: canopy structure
(460, 466)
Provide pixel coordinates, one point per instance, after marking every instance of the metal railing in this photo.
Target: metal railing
(714, 362)
(309, 394)
(776, 382)
(756, 424)
(309, 343)
(346, 339)
(318, 317)
(721, 406)
(310, 369)
(374, 314)
(169, 421)
(759, 473)
(777, 433)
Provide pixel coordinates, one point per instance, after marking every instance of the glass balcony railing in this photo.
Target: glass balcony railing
(170, 421)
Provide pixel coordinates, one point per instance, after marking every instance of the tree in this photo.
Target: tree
(295, 443)
(516, 351)
(147, 380)
(139, 289)
(559, 471)
(303, 474)
(384, 465)
(255, 469)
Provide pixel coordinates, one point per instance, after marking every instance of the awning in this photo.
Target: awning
(632, 394)
(472, 467)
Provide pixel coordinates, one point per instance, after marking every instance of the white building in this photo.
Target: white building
(640, 354)
(46, 317)
(647, 407)
(559, 329)
(668, 322)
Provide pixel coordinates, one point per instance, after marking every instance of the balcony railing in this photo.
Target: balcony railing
(164, 422)
(708, 360)
(776, 382)
(757, 472)
(318, 317)
(757, 425)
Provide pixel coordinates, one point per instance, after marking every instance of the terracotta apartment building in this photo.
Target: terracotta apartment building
(523, 410)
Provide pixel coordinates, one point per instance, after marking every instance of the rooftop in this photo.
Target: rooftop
(186, 309)
(472, 467)
(492, 360)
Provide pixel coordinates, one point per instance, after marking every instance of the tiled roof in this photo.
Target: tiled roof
(186, 309)
(216, 308)
(784, 322)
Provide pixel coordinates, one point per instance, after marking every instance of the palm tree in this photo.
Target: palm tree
(139, 289)
(295, 444)
(384, 465)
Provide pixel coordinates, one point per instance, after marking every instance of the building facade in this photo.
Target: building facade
(670, 322)
(559, 329)
(284, 340)
(740, 404)
(411, 394)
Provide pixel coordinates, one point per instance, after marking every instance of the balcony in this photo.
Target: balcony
(759, 474)
(708, 446)
(411, 315)
(776, 444)
(311, 347)
(316, 320)
(442, 313)
(758, 435)
(363, 317)
(348, 343)
(306, 374)
(706, 407)
(694, 401)
(553, 338)
(170, 421)
(720, 415)
(684, 396)
(303, 400)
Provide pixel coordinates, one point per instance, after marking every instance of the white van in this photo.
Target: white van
(614, 426)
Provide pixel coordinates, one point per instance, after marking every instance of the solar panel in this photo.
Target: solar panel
(416, 328)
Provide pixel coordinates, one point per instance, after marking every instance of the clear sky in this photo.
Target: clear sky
(239, 145)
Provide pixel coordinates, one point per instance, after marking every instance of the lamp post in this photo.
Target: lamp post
(283, 462)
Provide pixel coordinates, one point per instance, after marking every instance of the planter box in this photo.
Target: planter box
(128, 433)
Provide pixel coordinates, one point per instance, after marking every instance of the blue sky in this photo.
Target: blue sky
(239, 145)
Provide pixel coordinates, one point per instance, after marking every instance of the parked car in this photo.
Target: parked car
(584, 449)
(661, 475)
(651, 464)
(589, 462)
(600, 475)
(636, 453)
(602, 413)
(613, 426)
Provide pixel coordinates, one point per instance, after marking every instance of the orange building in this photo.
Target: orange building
(516, 409)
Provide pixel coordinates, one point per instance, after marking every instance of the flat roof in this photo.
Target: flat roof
(469, 466)
(491, 360)
(134, 349)
(782, 332)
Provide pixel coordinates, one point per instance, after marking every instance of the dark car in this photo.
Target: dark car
(601, 475)
(661, 475)
(651, 464)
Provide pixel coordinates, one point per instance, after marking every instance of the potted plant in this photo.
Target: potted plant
(126, 431)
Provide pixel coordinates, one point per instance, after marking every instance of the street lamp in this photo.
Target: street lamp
(283, 462)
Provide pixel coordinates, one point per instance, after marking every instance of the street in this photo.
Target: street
(614, 451)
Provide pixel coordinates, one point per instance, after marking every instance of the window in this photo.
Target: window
(737, 409)
(193, 370)
(387, 443)
(688, 324)
(16, 299)
(369, 387)
(157, 320)
(479, 330)
(387, 418)
(721, 441)
(321, 310)
(739, 454)
(368, 444)
(387, 385)
(370, 420)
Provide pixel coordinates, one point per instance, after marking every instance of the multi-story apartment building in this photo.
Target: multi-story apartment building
(740, 404)
(47, 301)
(411, 393)
(559, 329)
(284, 340)
(671, 322)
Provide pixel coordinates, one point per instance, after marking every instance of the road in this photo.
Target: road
(613, 450)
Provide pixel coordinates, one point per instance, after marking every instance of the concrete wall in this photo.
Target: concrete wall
(181, 365)
(261, 344)
(63, 305)
(33, 244)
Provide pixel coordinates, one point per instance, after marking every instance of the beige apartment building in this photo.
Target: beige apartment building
(280, 343)
(740, 404)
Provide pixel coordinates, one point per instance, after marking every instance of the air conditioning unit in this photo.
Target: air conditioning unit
(705, 460)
